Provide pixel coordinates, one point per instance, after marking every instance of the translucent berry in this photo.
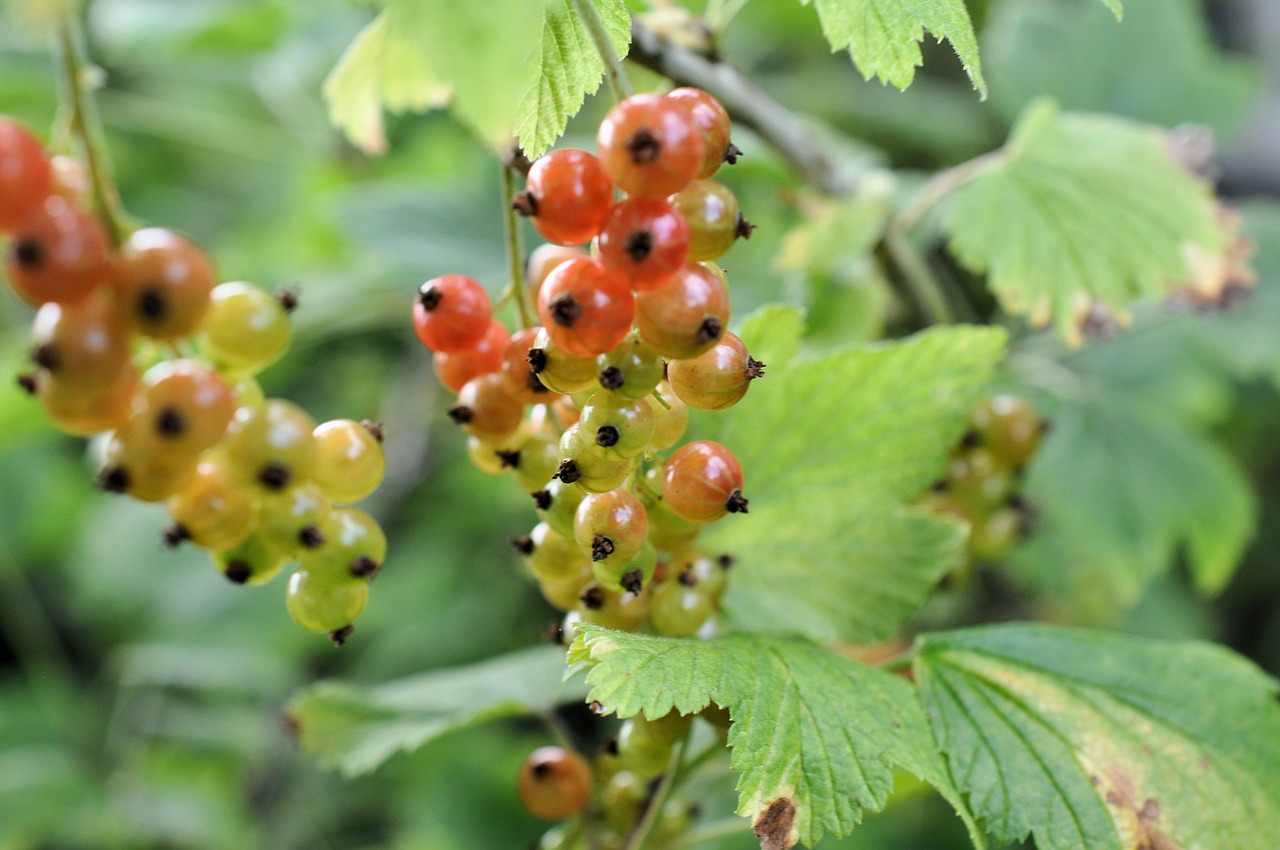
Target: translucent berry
(633, 369)
(716, 379)
(535, 460)
(568, 196)
(649, 146)
(291, 520)
(711, 120)
(81, 411)
(246, 329)
(557, 504)
(517, 369)
(553, 556)
(271, 445)
(163, 281)
(488, 408)
(678, 610)
(554, 783)
(349, 462)
(185, 405)
(24, 173)
(611, 525)
(714, 221)
(58, 252)
(322, 602)
(685, 318)
(543, 259)
(354, 546)
(250, 562)
(213, 511)
(670, 417)
(585, 463)
(646, 241)
(622, 427)
(585, 308)
(452, 313)
(556, 368)
(485, 357)
(702, 481)
(84, 346)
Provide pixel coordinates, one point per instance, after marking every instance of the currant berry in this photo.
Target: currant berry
(711, 120)
(349, 462)
(24, 173)
(543, 259)
(702, 481)
(518, 371)
(250, 562)
(611, 525)
(1009, 427)
(624, 612)
(493, 457)
(677, 610)
(687, 316)
(991, 537)
(321, 602)
(291, 520)
(646, 241)
(554, 783)
(557, 369)
(585, 308)
(452, 313)
(718, 378)
(58, 253)
(565, 594)
(568, 196)
(622, 427)
(245, 329)
(185, 406)
(670, 417)
(630, 576)
(83, 346)
(649, 146)
(136, 466)
(633, 369)
(622, 798)
(163, 282)
(707, 573)
(977, 481)
(82, 412)
(641, 750)
(484, 358)
(354, 546)
(272, 445)
(714, 220)
(487, 408)
(585, 462)
(213, 511)
(557, 504)
(552, 556)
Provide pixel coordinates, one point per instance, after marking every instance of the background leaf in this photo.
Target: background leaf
(1078, 209)
(810, 728)
(1097, 741)
(846, 439)
(358, 729)
(883, 36)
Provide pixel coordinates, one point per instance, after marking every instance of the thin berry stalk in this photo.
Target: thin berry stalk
(516, 289)
(614, 73)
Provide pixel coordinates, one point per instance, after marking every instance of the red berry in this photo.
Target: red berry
(687, 316)
(568, 195)
(702, 481)
(24, 173)
(487, 408)
(452, 313)
(543, 259)
(586, 308)
(712, 122)
(519, 372)
(646, 241)
(456, 368)
(163, 281)
(83, 346)
(58, 253)
(554, 783)
(650, 146)
(716, 379)
(713, 218)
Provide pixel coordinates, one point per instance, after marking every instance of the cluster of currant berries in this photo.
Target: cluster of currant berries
(140, 343)
(556, 783)
(983, 477)
(634, 331)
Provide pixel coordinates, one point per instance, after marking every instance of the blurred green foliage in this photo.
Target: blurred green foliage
(141, 695)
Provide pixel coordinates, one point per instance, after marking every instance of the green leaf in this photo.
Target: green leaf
(1081, 210)
(815, 736)
(569, 68)
(506, 68)
(1161, 65)
(883, 36)
(358, 729)
(846, 439)
(1165, 485)
(1092, 741)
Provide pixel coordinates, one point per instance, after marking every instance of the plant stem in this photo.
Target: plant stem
(782, 129)
(920, 281)
(77, 79)
(516, 290)
(653, 810)
(615, 75)
(939, 186)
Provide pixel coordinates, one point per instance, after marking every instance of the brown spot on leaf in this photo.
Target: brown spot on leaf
(773, 825)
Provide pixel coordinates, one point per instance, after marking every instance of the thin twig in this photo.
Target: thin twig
(516, 289)
(939, 186)
(614, 73)
(77, 76)
(782, 129)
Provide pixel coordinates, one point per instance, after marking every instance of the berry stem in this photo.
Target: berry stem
(78, 77)
(516, 289)
(640, 834)
(615, 75)
(938, 187)
(920, 280)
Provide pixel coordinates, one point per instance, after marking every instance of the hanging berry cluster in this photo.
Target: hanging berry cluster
(983, 477)
(632, 333)
(141, 343)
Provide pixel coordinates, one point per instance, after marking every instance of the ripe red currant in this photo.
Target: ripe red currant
(456, 368)
(24, 173)
(452, 313)
(568, 196)
(164, 282)
(702, 481)
(58, 253)
(585, 308)
(716, 379)
(686, 317)
(488, 408)
(713, 123)
(554, 783)
(646, 241)
(649, 145)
